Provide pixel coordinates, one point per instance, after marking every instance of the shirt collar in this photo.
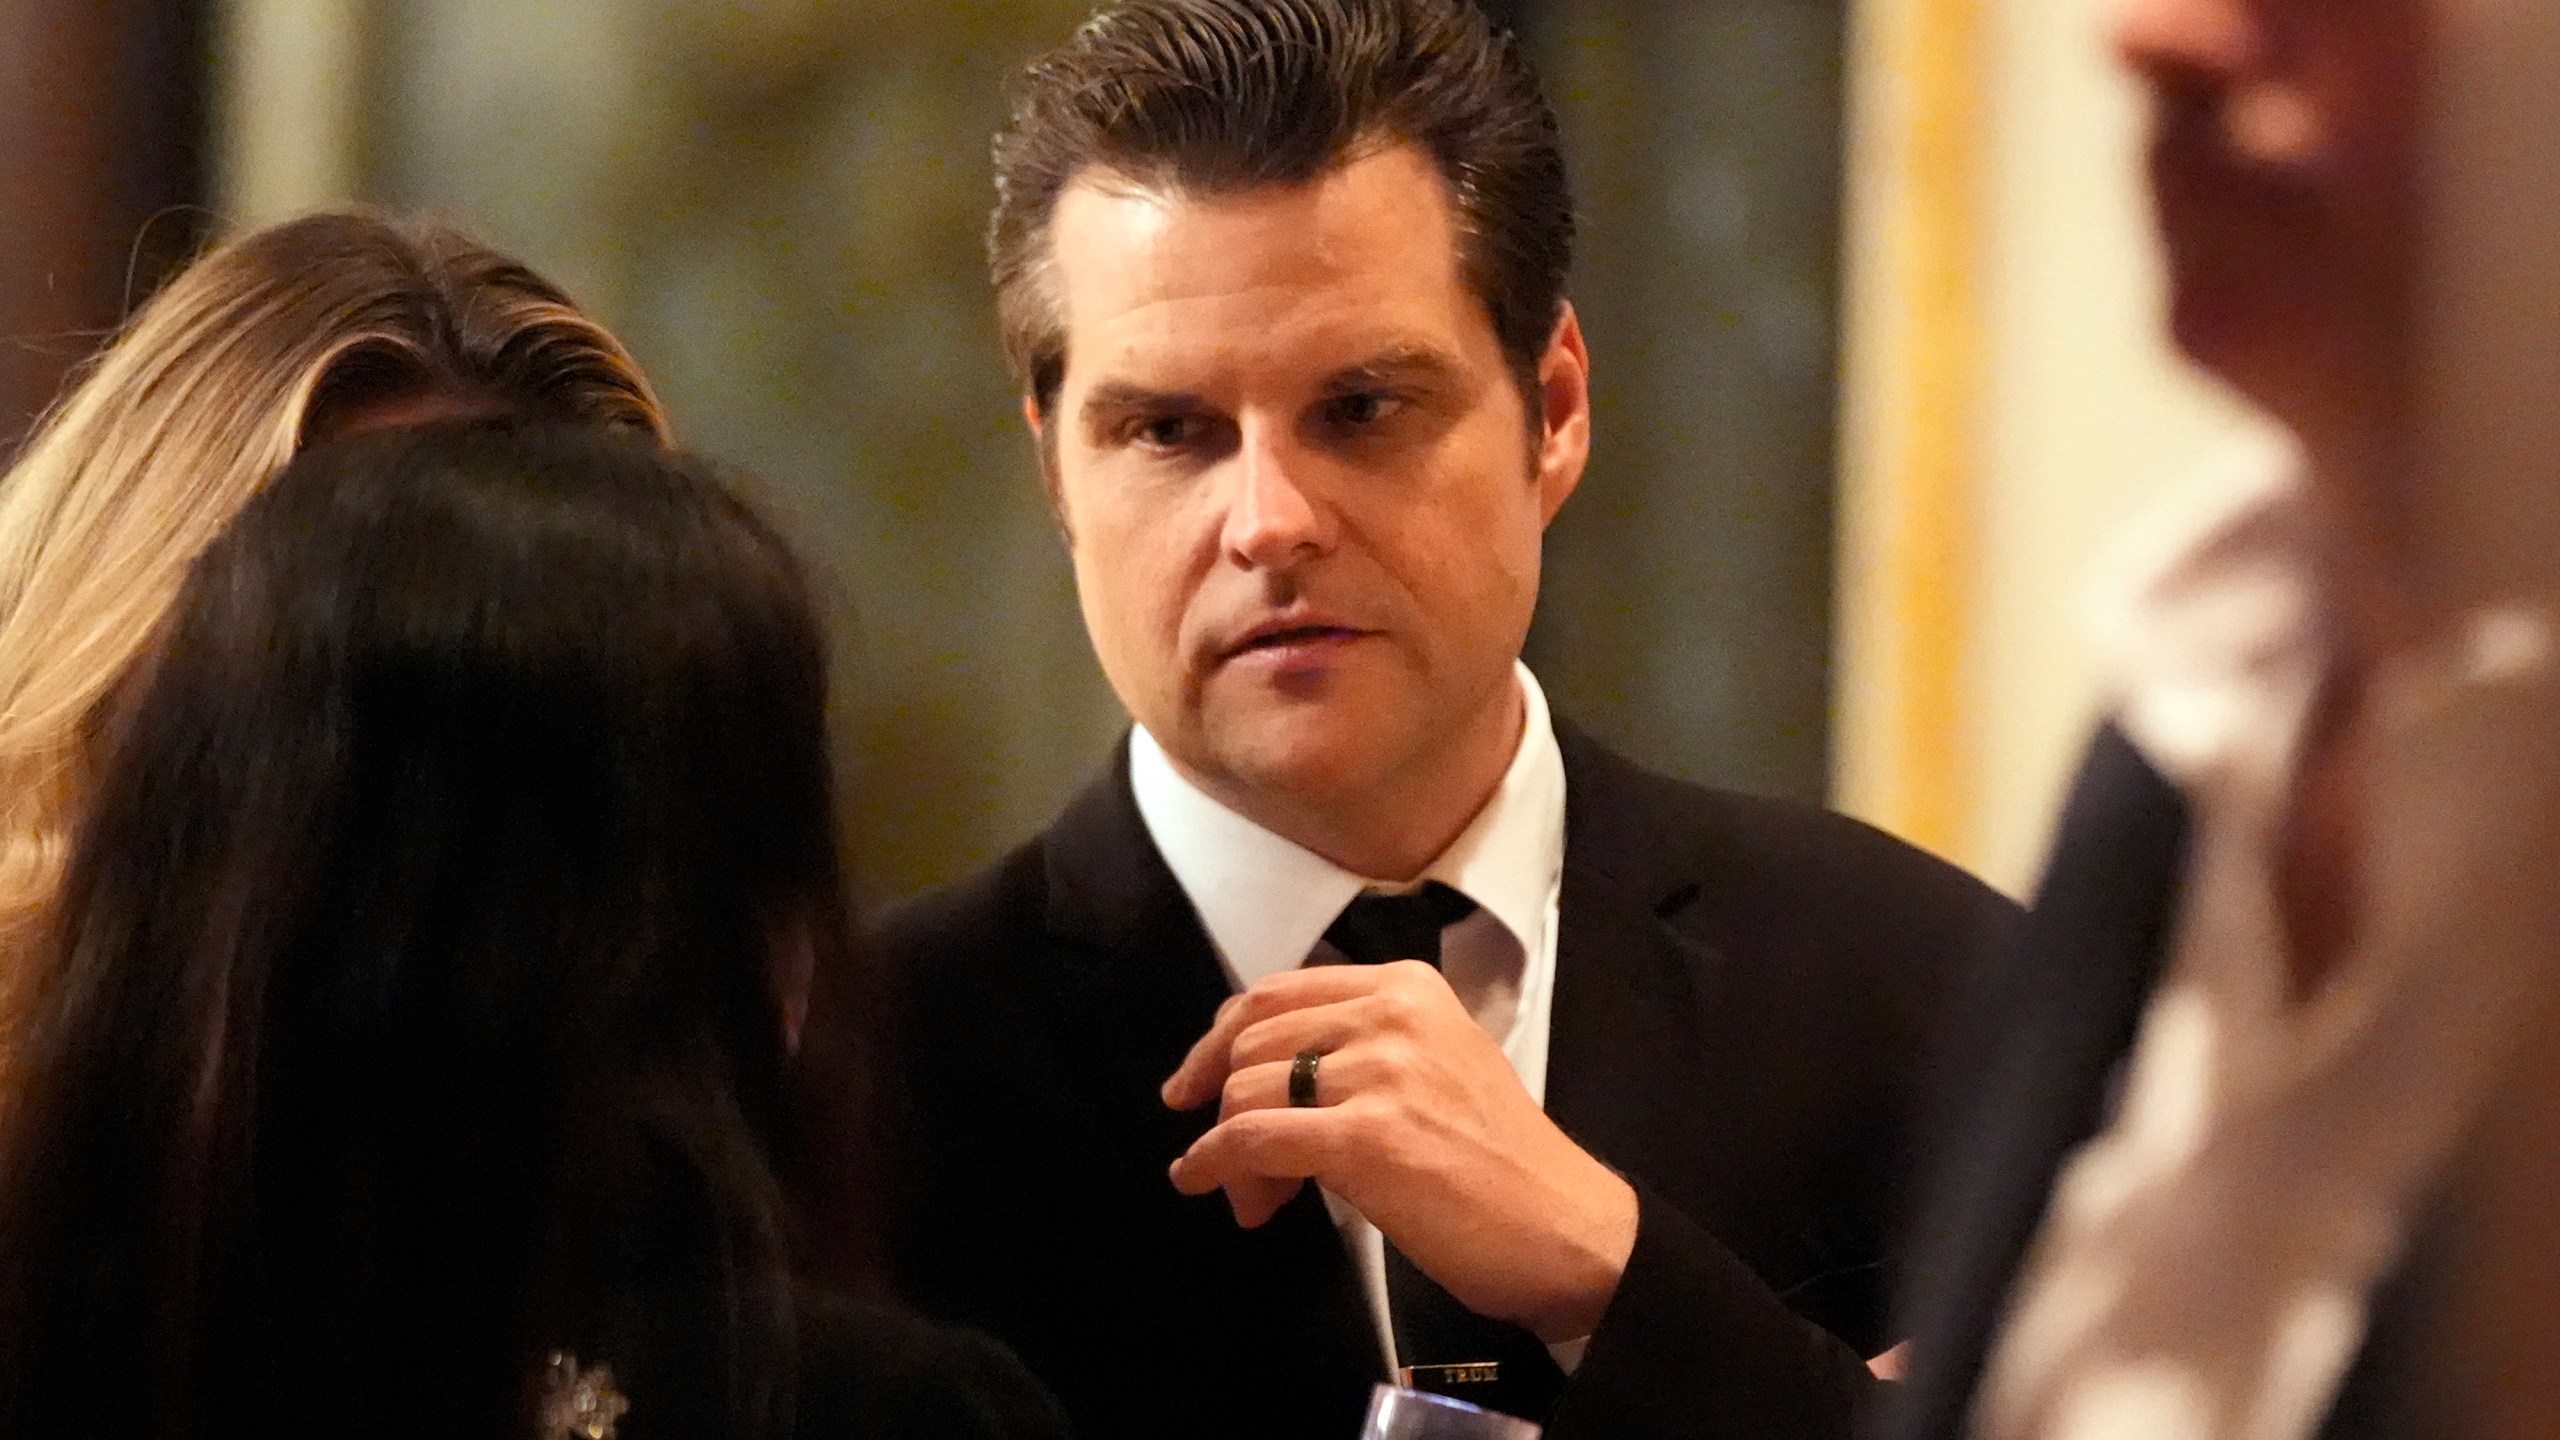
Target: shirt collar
(1266, 900)
(2218, 631)
(2209, 614)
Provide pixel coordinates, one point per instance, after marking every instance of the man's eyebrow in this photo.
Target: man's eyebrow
(1406, 363)
(1123, 395)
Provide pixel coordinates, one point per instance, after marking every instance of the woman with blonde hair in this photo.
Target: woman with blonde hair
(322, 326)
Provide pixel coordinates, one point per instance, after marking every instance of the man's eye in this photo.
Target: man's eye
(1165, 432)
(1363, 408)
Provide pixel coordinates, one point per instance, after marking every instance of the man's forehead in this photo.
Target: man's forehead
(1382, 220)
(1355, 264)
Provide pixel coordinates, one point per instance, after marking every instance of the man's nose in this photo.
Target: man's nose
(1277, 517)
(2188, 41)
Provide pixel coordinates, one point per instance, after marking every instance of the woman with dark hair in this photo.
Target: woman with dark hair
(411, 1051)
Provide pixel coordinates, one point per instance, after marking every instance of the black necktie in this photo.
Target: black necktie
(1374, 929)
(1442, 1345)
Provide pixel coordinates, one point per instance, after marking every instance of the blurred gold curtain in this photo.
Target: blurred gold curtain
(1909, 446)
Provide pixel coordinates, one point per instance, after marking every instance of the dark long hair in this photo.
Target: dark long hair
(417, 1002)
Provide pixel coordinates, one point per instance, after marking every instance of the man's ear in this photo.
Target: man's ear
(1564, 399)
(1044, 441)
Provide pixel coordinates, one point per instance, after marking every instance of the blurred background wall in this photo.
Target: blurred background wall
(102, 177)
(1843, 495)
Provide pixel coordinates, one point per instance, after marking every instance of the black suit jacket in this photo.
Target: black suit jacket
(2055, 1016)
(1744, 994)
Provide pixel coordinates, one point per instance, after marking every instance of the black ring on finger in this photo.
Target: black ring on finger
(1302, 1078)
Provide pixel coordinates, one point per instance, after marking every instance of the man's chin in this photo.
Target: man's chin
(1305, 754)
(1305, 765)
(2222, 330)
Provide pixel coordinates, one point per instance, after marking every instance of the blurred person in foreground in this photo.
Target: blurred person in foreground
(2289, 932)
(1601, 1077)
(321, 326)
(408, 1054)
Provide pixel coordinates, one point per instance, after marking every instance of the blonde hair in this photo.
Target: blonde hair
(270, 340)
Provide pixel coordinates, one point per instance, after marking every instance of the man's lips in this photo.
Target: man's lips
(1293, 635)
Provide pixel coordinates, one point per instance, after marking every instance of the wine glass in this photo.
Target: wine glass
(1396, 1414)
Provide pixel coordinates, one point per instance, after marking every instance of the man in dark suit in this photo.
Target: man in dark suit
(1602, 1078)
(2209, 1183)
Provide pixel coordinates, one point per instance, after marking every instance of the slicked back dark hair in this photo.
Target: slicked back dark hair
(413, 1007)
(1212, 97)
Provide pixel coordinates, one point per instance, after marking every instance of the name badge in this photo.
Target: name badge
(1436, 1378)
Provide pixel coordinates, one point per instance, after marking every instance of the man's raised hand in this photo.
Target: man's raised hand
(1421, 1125)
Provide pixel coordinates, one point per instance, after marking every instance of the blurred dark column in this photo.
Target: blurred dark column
(1686, 611)
(101, 177)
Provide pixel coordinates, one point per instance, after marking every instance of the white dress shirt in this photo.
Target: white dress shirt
(2204, 1268)
(1267, 901)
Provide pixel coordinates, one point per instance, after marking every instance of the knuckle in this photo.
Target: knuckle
(1369, 1129)
(1258, 1005)
(1237, 1093)
(1250, 1132)
(1255, 1039)
(1396, 1057)
(1378, 1006)
(1403, 1009)
(1342, 1075)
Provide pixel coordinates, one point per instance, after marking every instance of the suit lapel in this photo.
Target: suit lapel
(1136, 972)
(1134, 963)
(1625, 1062)
(2052, 1019)
(1668, 1056)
